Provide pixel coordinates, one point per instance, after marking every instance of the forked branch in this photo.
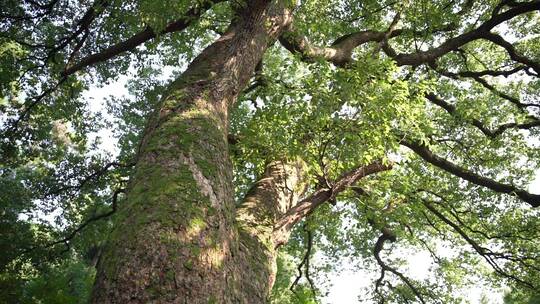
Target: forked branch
(425, 153)
(388, 235)
(340, 52)
(489, 132)
(322, 195)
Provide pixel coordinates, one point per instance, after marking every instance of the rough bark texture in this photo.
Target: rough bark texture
(276, 192)
(176, 239)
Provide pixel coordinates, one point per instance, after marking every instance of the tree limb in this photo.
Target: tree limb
(388, 235)
(477, 76)
(139, 38)
(67, 239)
(482, 251)
(321, 195)
(491, 133)
(430, 157)
(305, 264)
(340, 52)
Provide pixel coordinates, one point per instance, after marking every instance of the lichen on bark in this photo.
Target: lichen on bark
(172, 223)
(276, 191)
(175, 238)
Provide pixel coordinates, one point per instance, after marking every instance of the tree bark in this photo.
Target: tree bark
(275, 193)
(176, 239)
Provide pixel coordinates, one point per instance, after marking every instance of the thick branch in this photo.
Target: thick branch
(430, 157)
(140, 38)
(456, 42)
(510, 49)
(307, 205)
(276, 191)
(340, 52)
(451, 109)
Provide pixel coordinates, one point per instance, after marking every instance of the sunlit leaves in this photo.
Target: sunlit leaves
(331, 117)
(334, 118)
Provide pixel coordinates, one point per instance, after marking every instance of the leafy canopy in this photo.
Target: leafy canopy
(452, 125)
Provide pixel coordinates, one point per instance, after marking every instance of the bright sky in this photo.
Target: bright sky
(347, 284)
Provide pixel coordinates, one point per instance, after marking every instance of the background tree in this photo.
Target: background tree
(260, 132)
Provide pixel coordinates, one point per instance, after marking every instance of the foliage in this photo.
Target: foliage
(57, 183)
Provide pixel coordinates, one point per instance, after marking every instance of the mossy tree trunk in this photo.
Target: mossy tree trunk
(275, 193)
(176, 239)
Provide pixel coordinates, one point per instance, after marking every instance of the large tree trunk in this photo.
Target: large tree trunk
(176, 239)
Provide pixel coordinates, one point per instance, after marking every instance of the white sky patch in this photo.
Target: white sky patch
(97, 99)
(349, 284)
(534, 186)
(347, 287)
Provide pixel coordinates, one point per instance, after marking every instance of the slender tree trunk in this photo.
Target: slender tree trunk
(176, 239)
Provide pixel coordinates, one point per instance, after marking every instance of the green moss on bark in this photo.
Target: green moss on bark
(165, 201)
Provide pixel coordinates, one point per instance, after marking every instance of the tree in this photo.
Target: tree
(417, 125)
